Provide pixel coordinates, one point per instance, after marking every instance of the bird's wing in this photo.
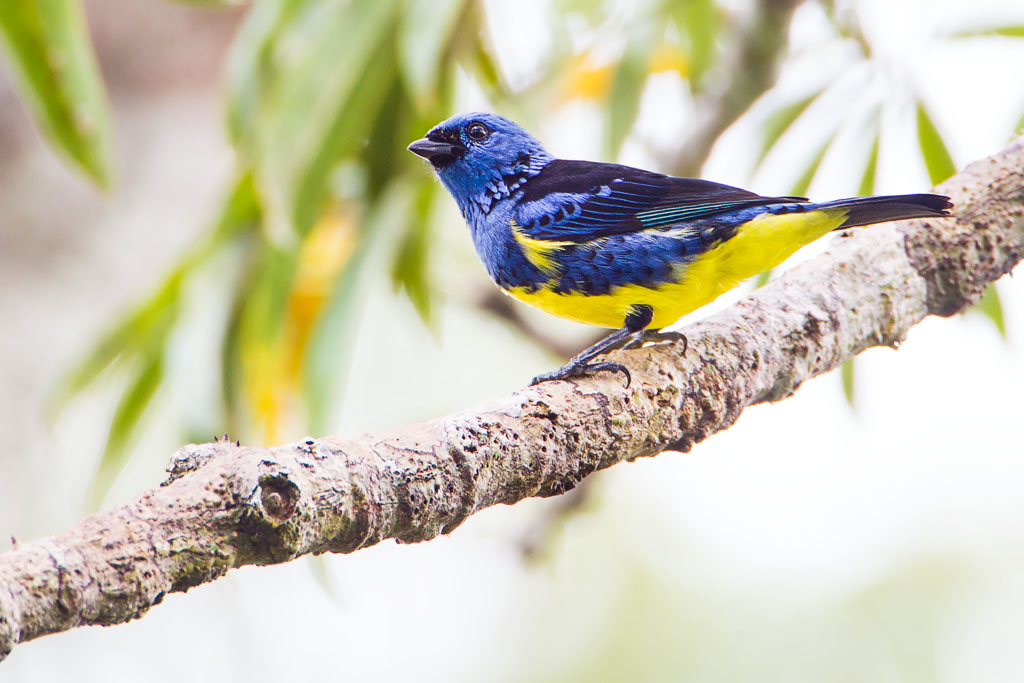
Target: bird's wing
(579, 201)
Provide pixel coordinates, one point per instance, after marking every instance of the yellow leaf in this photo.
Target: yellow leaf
(668, 57)
(322, 255)
(585, 80)
(272, 367)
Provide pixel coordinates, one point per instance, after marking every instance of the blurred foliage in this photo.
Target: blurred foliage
(322, 98)
(54, 65)
(992, 308)
(933, 150)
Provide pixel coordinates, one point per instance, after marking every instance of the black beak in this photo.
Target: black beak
(435, 151)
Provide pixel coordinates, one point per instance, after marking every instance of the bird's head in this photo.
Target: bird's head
(476, 155)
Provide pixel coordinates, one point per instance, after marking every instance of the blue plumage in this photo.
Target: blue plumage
(619, 246)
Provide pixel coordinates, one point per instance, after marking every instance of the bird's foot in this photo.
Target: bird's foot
(581, 369)
(660, 336)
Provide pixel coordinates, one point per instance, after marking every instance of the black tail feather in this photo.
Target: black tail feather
(868, 210)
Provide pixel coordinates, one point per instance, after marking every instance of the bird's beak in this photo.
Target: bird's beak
(431, 151)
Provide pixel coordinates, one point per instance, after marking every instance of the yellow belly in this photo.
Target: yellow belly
(763, 243)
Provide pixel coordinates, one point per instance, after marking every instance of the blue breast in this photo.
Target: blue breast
(503, 258)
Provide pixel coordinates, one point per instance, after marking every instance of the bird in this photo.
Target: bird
(620, 247)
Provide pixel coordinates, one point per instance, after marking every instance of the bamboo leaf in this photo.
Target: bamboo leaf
(776, 125)
(211, 3)
(1006, 31)
(147, 327)
(306, 85)
(802, 183)
(321, 573)
(240, 214)
(55, 69)
(261, 339)
(700, 21)
(847, 373)
(251, 66)
(484, 67)
(867, 180)
(589, 9)
(627, 88)
(991, 307)
(267, 298)
(933, 150)
(125, 423)
(349, 129)
(424, 32)
(410, 270)
(231, 347)
(139, 332)
(333, 339)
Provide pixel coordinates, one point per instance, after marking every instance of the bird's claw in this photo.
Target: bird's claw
(582, 370)
(662, 336)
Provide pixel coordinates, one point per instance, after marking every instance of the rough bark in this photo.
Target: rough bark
(225, 506)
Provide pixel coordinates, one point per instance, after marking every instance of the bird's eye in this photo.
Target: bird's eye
(477, 131)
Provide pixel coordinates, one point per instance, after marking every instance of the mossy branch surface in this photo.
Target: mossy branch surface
(225, 506)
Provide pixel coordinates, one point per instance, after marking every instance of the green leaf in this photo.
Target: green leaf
(55, 69)
(763, 279)
(321, 573)
(1011, 31)
(627, 88)
(333, 338)
(933, 150)
(483, 66)
(867, 180)
(148, 325)
(231, 347)
(802, 183)
(239, 214)
(589, 9)
(251, 67)
(124, 425)
(211, 3)
(384, 156)
(266, 300)
(137, 334)
(410, 270)
(424, 30)
(1007, 31)
(349, 131)
(257, 318)
(306, 86)
(847, 375)
(775, 126)
(700, 22)
(991, 307)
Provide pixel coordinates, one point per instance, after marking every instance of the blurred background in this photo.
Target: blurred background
(209, 223)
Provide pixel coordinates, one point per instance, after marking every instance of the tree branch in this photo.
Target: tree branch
(226, 506)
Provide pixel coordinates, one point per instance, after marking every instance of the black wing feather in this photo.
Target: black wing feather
(634, 200)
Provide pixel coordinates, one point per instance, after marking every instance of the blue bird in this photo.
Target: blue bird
(620, 247)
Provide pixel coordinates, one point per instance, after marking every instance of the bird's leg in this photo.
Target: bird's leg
(578, 366)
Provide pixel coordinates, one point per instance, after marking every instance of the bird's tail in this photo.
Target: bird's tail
(868, 210)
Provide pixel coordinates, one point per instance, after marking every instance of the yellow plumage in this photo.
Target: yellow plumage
(759, 245)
